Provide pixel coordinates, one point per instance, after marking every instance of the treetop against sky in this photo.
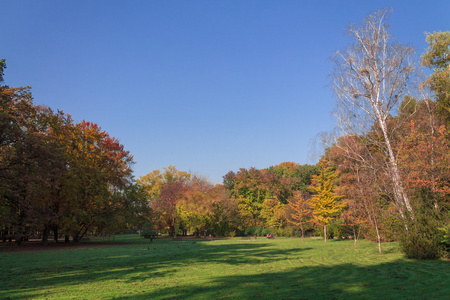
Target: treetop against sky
(206, 86)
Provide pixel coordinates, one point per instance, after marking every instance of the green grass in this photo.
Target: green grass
(222, 269)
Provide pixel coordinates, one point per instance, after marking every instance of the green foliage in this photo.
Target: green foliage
(337, 229)
(148, 228)
(438, 59)
(444, 240)
(424, 238)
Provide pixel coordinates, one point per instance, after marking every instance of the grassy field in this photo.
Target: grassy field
(221, 269)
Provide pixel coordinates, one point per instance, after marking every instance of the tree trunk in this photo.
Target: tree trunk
(66, 238)
(45, 235)
(325, 233)
(55, 233)
(378, 236)
(303, 232)
(399, 192)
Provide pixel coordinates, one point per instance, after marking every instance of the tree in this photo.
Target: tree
(98, 167)
(425, 163)
(2, 67)
(204, 207)
(31, 165)
(438, 59)
(57, 175)
(300, 212)
(326, 203)
(165, 206)
(370, 77)
(294, 177)
(154, 181)
(164, 188)
(272, 213)
(195, 208)
(251, 188)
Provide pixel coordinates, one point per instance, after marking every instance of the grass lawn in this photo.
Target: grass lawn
(221, 269)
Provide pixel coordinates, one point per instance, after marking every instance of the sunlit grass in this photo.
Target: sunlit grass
(222, 269)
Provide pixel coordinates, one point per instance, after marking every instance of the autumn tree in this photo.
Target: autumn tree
(326, 203)
(164, 189)
(225, 217)
(156, 179)
(293, 176)
(272, 213)
(98, 167)
(206, 207)
(195, 207)
(31, 163)
(300, 212)
(370, 77)
(425, 163)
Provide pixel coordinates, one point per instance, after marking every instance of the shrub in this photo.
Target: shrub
(423, 239)
(148, 229)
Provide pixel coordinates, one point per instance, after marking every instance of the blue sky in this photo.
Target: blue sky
(208, 86)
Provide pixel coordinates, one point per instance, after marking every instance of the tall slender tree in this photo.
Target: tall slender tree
(326, 203)
(370, 77)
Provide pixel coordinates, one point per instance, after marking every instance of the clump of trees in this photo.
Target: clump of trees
(182, 202)
(58, 176)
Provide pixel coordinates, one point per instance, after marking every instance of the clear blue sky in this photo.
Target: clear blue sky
(208, 86)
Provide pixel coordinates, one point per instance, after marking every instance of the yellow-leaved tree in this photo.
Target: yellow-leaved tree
(326, 203)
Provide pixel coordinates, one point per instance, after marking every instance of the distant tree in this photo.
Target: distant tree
(165, 206)
(294, 177)
(154, 181)
(300, 212)
(204, 207)
(326, 203)
(164, 189)
(438, 59)
(272, 213)
(195, 208)
(251, 188)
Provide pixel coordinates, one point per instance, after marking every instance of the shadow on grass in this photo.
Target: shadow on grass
(137, 263)
(401, 279)
(396, 280)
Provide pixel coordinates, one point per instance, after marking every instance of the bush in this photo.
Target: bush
(444, 240)
(250, 231)
(423, 239)
(336, 228)
(148, 230)
(287, 232)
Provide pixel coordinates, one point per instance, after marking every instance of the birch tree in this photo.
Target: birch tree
(370, 78)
